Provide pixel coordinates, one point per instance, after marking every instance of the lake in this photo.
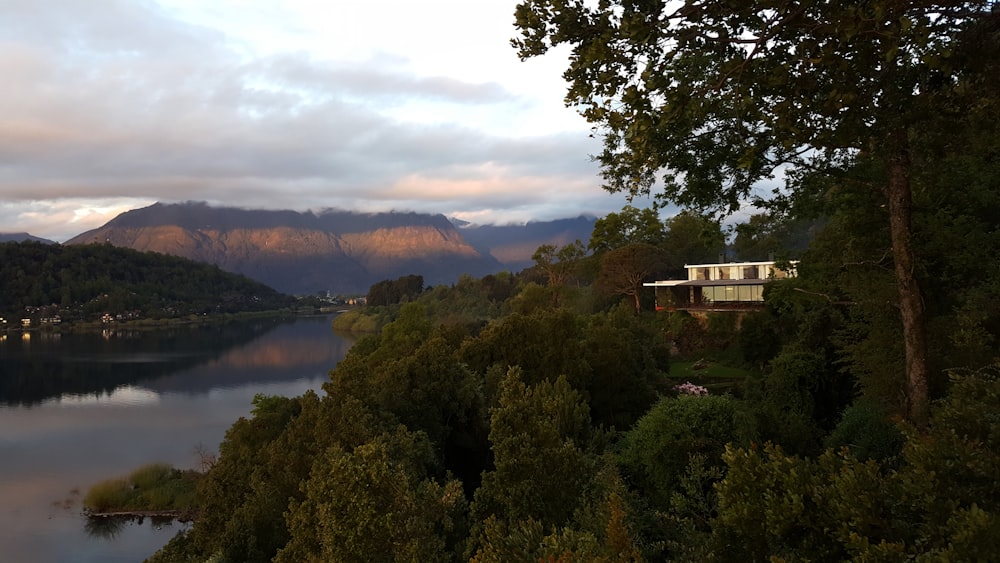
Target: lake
(76, 409)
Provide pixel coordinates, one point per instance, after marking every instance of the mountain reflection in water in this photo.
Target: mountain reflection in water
(46, 366)
(78, 409)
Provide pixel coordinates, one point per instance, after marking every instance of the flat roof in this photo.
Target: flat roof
(704, 283)
(764, 263)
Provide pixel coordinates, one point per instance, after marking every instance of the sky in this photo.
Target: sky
(110, 105)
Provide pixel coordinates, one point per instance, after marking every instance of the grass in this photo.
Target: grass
(152, 487)
(361, 320)
(715, 374)
(687, 370)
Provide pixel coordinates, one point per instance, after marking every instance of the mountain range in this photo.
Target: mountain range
(332, 250)
(21, 237)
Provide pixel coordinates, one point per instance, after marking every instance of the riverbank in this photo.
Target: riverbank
(183, 516)
(98, 325)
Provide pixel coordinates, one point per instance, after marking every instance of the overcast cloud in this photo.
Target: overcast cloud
(109, 105)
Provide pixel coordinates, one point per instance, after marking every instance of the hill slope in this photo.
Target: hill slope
(44, 280)
(22, 237)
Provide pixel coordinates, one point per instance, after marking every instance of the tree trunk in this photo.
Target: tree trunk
(911, 304)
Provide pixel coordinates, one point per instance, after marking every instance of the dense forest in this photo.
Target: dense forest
(538, 416)
(85, 282)
(543, 416)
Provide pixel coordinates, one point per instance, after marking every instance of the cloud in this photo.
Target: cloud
(129, 104)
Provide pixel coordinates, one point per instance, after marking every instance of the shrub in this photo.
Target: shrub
(108, 495)
(866, 430)
(759, 339)
(156, 486)
(151, 475)
(657, 450)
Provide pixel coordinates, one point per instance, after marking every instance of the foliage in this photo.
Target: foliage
(628, 359)
(866, 430)
(615, 359)
(375, 503)
(940, 503)
(358, 321)
(630, 226)
(560, 265)
(152, 487)
(545, 345)
(602, 530)
(657, 451)
(691, 238)
(759, 338)
(705, 371)
(470, 301)
(262, 463)
(624, 269)
(766, 236)
(716, 96)
(799, 398)
(485, 422)
(413, 374)
(388, 292)
(539, 434)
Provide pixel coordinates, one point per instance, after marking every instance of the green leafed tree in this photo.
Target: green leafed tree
(625, 269)
(376, 503)
(691, 238)
(764, 236)
(560, 265)
(538, 434)
(711, 97)
(629, 226)
(938, 501)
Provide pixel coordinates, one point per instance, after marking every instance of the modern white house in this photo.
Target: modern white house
(719, 287)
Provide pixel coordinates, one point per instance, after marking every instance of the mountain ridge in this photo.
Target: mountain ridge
(337, 250)
(22, 237)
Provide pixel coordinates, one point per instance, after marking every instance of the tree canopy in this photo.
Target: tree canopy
(706, 99)
(629, 226)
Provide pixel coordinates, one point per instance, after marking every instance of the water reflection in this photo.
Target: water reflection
(126, 395)
(105, 528)
(109, 406)
(110, 528)
(109, 365)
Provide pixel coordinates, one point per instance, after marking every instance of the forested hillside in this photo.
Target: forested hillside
(83, 282)
(539, 416)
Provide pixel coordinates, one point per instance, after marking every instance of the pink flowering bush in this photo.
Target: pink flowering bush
(689, 388)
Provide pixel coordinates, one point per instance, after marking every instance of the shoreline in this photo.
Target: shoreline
(173, 515)
(153, 324)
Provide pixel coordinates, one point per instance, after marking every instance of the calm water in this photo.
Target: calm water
(77, 409)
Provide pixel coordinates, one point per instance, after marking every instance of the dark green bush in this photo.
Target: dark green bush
(867, 431)
(657, 450)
